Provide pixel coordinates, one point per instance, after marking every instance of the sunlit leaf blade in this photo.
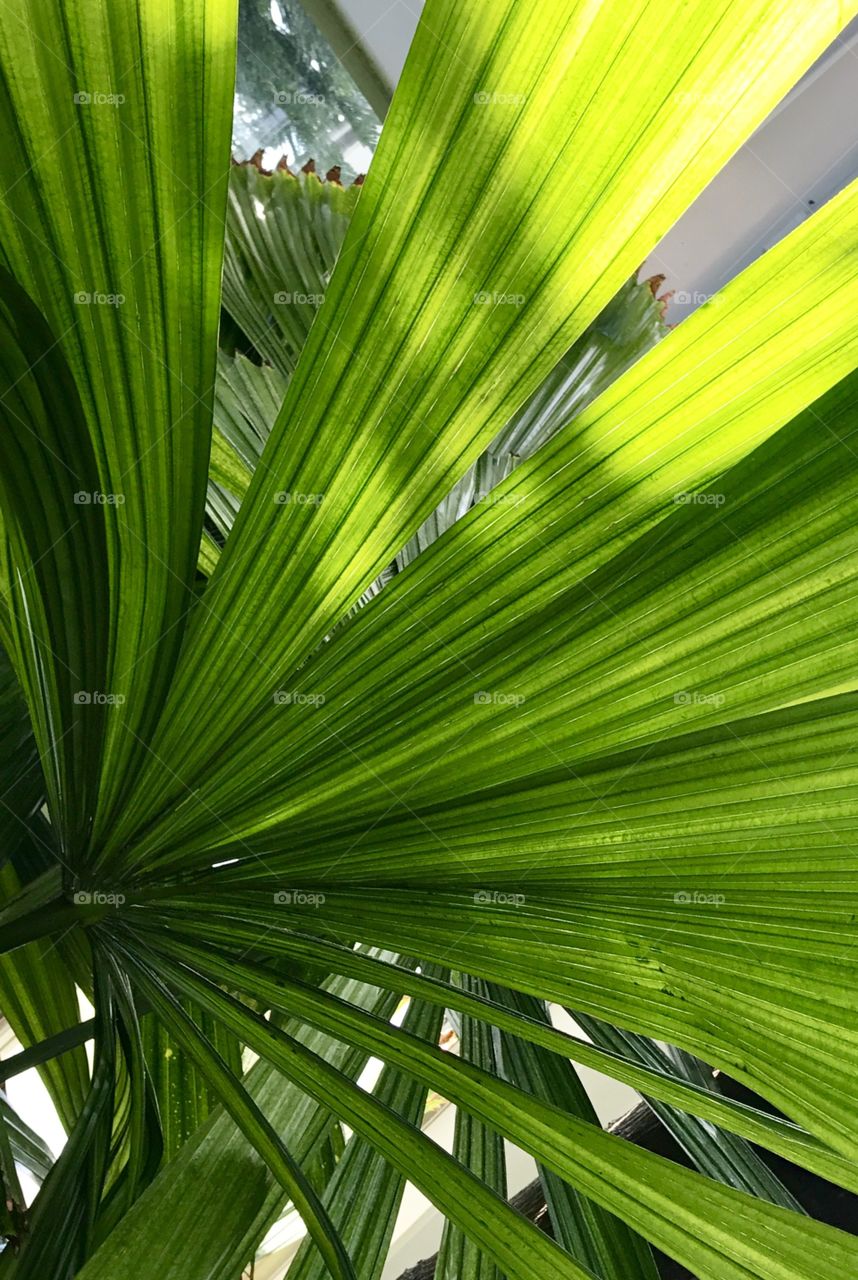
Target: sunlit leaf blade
(247, 398)
(209, 554)
(631, 323)
(593, 745)
(116, 128)
(440, 369)
(283, 235)
(457, 646)
(776, 970)
(627, 328)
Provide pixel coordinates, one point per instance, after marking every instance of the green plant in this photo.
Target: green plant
(592, 745)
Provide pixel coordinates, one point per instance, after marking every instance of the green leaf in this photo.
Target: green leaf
(627, 328)
(719, 1155)
(478, 1147)
(53, 616)
(283, 235)
(26, 1146)
(62, 1218)
(768, 1131)
(775, 972)
(137, 1139)
(596, 1238)
(51, 1047)
(456, 646)
(372, 441)
(120, 124)
(517, 1246)
(216, 1198)
(183, 1096)
(246, 1114)
(39, 999)
(37, 992)
(365, 1192)
(22, 786)
(592, 745)
(247, 398)
(690, 1217)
